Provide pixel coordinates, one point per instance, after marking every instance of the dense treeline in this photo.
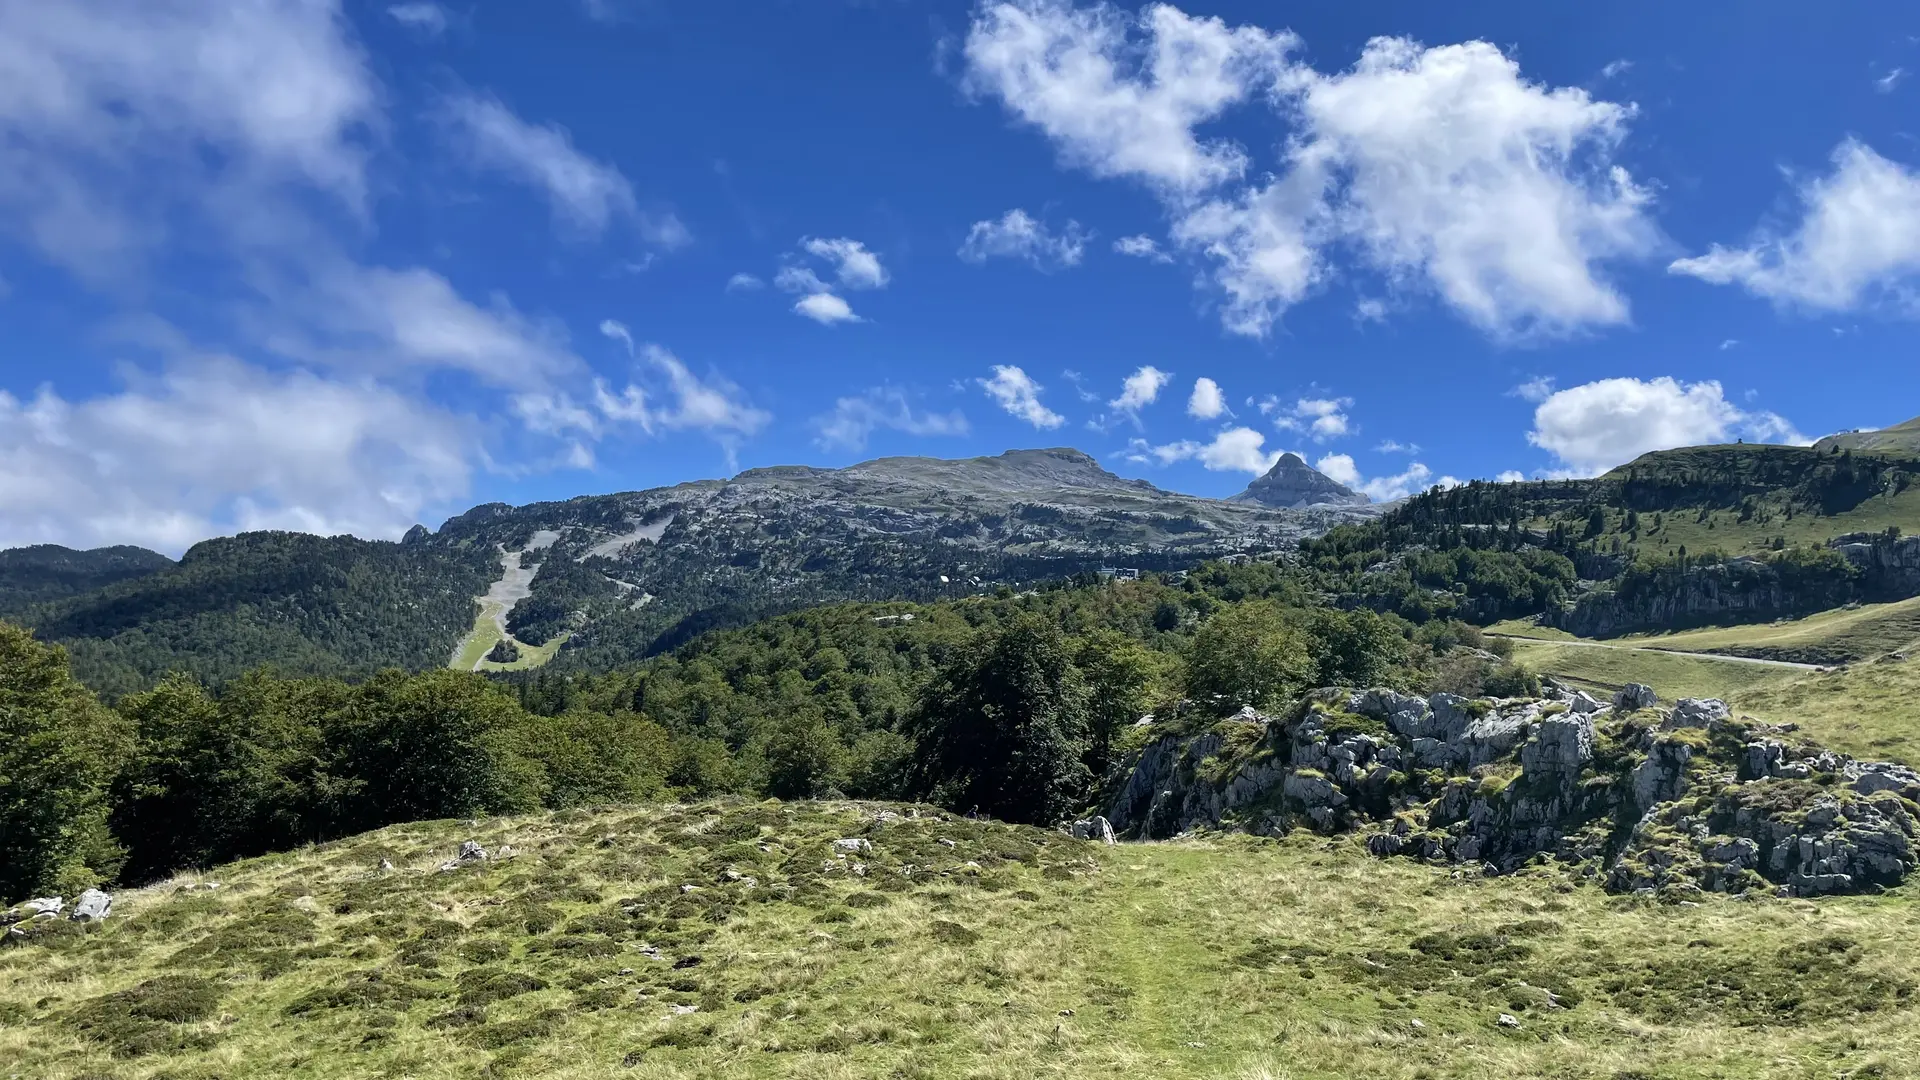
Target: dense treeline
(304, 604)
(1018, 706)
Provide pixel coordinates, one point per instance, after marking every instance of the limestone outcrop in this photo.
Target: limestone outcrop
(1629, 793)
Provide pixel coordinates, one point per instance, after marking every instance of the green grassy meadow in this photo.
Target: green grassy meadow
(1867, 704)
(731, 940)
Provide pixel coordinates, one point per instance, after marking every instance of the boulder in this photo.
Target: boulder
(471, 851)
(853, 845)
(1635, 696)
(1696, 713)
(1093, 828)
(93, 905)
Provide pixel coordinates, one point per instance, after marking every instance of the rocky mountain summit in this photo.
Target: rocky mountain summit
(1638, 796)
(1293, 484)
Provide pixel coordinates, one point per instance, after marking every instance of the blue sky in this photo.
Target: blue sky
(342, 266)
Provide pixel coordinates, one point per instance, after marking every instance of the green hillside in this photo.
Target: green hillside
(1898, 439)
(733, 940)
(305, 605)
(46, 572)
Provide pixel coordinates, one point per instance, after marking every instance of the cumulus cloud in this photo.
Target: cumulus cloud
(1857, 243)
(1593, 427)
(1510, 476)
(1017, 235)
(853, 267)
(1206, 402)
(825, 309)
(1141, 247)
(1015, 391)
(853, 264)
(421, 17)
(1320, 418)
(1119, 110)
(217, 446)
(1416, 478)
(1236, 449)
(586, 195)
(1442, 168)
(854, 419)
(1140, 389)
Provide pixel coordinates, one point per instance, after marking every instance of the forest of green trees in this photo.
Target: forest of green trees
(1019, 707)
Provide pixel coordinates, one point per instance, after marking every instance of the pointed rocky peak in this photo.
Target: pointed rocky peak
(1292, 483)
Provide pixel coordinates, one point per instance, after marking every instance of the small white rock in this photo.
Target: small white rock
(1507, 1020)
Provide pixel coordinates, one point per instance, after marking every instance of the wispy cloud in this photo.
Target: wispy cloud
(854, 419)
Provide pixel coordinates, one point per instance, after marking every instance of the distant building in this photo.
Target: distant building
(1113, 573)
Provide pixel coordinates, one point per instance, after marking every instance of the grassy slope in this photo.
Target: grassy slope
(1723, 531)
(1840, 636)
(1234, 958)
(1870, 710)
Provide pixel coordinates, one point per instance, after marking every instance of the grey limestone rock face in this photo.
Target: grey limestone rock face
(1686, 797)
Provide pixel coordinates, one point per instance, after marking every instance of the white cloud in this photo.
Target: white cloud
(1119, 110)
(744, 282)
(586, 195)
(419, 16)
(1416, 478)
(1857, 243)
(825, 309)
(1015, 391)
(1442, 168)
(1729, 343)
(688, 403)
(1141, 247)
(1497, 192)
(1140, 389)
(1237, 449)
(1321, 418)
(1510, 476)
(1886, 84)
(853, 419)
(1017, 235)
(368, 317)
(1537, 389)
(1615, 69)
(118, 117)
(1596, 426)
(1206, 402)
(1394, 446)
(216, 446)
(854, 265)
